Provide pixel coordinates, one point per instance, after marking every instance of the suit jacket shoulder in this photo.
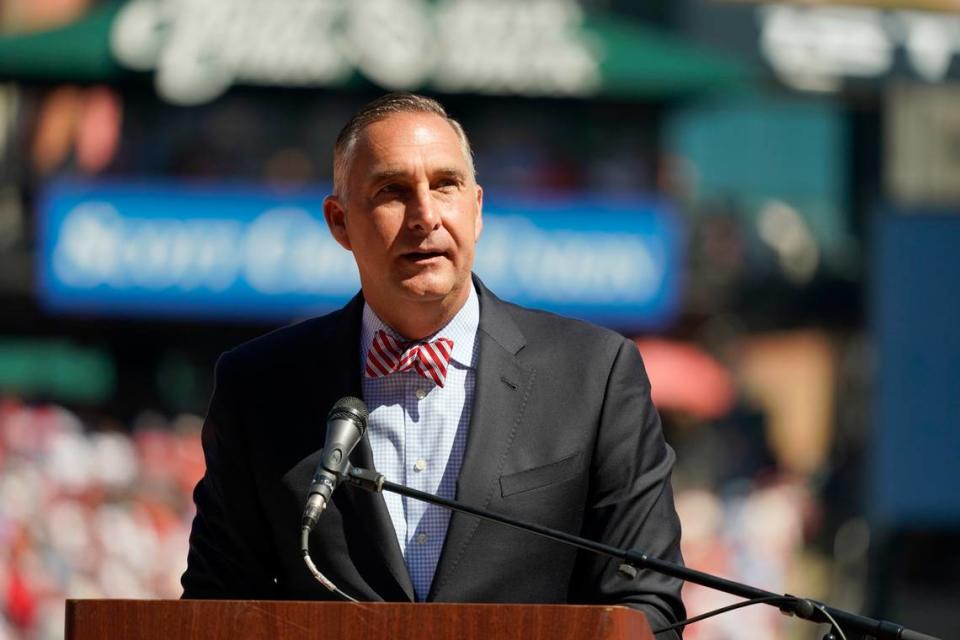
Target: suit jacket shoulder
(567, 349)
(540, 326)
(292, 344)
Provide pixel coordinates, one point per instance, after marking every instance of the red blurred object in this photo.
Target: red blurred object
(687, 379)
(86, 121)
(98, 129)
(21, 602)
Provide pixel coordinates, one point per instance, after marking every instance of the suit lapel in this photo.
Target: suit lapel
(356, 504)
(502, 386)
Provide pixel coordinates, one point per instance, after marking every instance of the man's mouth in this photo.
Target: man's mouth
(422, 256)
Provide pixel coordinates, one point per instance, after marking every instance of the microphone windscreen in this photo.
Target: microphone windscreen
(349, 407)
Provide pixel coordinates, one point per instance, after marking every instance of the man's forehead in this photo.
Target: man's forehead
(416, 124)
(392, 143)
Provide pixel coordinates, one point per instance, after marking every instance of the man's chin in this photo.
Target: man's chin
(420, 293)
(427, 288)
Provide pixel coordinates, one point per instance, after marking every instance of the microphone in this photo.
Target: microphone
(346, 424)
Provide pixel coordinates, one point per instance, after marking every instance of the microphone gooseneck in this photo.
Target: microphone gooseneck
(346, 424)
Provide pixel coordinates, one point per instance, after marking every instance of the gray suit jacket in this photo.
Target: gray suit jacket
(563, 434)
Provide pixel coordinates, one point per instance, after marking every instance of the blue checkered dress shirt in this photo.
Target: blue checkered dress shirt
(418, 433)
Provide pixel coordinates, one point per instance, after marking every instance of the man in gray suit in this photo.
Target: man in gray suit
(517, 411)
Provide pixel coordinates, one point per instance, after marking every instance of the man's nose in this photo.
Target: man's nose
(423, 213)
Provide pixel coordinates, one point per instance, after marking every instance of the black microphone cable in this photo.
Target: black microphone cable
(322, 579)
(807, 604)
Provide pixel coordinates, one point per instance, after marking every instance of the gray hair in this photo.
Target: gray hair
(381, 109)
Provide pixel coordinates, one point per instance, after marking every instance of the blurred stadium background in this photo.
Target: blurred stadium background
(763, 195)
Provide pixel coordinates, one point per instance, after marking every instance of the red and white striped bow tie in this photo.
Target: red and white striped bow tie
(429, 359)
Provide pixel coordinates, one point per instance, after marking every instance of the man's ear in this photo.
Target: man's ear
(478, 225)
(336, 217)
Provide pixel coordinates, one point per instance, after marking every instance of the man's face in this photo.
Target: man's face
(411, 214)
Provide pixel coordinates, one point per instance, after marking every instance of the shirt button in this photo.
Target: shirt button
(420, 465)
(421, 394)
(421, 538)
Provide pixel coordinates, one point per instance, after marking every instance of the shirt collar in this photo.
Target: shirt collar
(462, 329)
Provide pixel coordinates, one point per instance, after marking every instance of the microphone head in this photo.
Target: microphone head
(350, 408)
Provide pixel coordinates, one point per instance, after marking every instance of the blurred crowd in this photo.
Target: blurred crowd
(754, 534)
(90, 511)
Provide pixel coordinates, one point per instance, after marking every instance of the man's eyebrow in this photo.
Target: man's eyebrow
(386, 174)
(449, 172)
(393, 174)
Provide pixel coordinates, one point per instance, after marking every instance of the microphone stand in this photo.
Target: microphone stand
(632, 561)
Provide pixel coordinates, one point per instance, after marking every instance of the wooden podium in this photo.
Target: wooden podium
(255, 619)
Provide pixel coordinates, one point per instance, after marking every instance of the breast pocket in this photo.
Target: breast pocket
(543, 476)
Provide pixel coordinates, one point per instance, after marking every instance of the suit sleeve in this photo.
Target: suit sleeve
(631, 501)
(230, 556)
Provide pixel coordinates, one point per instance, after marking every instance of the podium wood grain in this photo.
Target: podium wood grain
(248, 620)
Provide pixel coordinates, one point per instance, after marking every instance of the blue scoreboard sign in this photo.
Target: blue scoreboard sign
(249, 252)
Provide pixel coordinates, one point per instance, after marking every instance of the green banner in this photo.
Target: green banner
(56, 369)
(197, 50)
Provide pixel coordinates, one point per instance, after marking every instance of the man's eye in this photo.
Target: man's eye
(447, 185)
(390, 188)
